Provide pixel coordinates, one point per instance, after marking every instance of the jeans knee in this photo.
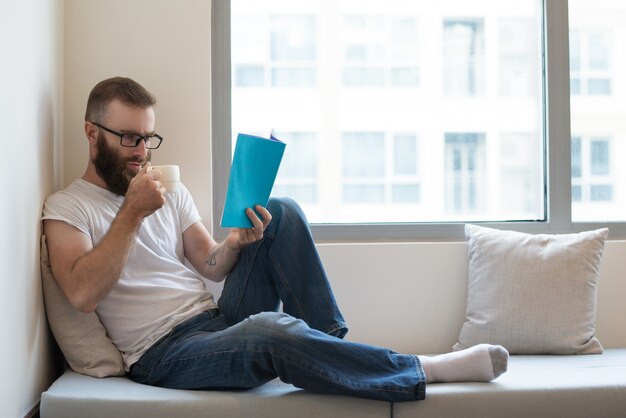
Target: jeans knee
(271, 319)
(275, 325)
(285, 211)
(285, 208)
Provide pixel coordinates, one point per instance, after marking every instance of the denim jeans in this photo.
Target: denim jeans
(246, 342)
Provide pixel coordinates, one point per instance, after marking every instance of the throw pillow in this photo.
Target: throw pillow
(533, 294)
(81, 337)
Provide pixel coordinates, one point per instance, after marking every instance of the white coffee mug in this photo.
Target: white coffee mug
(170, 176)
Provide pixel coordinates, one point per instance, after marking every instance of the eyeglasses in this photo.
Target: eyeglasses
(132, 140)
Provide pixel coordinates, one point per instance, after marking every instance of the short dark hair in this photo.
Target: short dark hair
(123, 89)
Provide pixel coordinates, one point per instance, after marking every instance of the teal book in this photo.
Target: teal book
(252, 175)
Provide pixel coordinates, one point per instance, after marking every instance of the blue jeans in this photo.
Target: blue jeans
(247, 342)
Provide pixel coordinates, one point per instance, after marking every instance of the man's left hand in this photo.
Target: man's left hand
(239, 238)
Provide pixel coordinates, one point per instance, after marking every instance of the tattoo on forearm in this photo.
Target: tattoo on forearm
(212, 260)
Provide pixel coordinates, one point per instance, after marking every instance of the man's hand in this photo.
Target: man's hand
(145, 193)
(239, 238)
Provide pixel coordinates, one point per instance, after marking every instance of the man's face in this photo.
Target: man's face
(116, 170)
(117, 165)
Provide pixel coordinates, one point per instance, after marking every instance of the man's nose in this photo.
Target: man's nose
(140, 149)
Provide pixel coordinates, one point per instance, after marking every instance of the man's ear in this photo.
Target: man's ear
(91, 131)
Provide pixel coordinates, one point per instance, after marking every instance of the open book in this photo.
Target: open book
(252, 174)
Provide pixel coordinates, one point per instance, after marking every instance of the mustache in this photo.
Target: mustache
(137, 159)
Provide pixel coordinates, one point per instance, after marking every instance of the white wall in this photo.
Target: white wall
(30, 137)
(165, 46)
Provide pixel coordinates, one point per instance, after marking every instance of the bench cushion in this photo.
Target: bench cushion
(534, 386)
(76, 395)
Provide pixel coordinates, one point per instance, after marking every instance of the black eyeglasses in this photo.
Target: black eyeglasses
(132, 140)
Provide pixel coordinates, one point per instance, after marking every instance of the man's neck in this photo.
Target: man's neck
(92, 176)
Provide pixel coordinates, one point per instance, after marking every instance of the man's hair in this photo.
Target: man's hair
(123, 89)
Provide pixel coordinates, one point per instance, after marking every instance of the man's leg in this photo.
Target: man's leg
(206, 353)
(283, 266)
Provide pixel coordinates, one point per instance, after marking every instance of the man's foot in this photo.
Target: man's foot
(480, 363)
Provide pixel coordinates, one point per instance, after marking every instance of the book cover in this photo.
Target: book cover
(252, 174)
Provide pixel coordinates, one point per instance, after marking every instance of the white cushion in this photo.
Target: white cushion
(533, 294)
(534, 386)
(74, 395)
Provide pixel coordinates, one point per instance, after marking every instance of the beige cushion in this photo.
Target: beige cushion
(81, 337)
(533, 294)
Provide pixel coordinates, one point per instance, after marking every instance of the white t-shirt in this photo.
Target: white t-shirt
(157, 290)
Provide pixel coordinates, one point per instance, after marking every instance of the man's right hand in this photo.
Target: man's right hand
(145, 193)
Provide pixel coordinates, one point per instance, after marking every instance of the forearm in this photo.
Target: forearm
(220, 260)
(215, 261)
(95, 273)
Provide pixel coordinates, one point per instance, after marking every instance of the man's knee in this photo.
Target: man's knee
(276, 326)
(285, 208)
(283, 204)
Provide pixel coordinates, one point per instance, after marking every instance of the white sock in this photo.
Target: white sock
(480, 363)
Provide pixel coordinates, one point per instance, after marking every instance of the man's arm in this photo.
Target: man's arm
(85, 273)
(214, 261)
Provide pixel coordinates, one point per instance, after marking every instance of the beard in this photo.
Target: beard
(113, 169)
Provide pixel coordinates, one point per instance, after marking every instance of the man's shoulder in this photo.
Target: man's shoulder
(81, 190)
(79, 195)
(73, 191)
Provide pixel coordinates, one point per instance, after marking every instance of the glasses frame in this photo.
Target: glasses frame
(143, 138)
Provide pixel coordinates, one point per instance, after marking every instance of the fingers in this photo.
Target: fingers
(145, 184)
(265, 214)
(242, 237)
(257, 225)
(160, 186)
(265, 220)
(154, 174)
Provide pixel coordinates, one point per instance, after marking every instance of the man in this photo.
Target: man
(119, 244)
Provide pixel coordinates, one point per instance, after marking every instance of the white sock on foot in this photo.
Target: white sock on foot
(480, 363)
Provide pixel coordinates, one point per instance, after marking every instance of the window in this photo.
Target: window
(405, 119)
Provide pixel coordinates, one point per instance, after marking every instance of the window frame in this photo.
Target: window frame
(557, 170)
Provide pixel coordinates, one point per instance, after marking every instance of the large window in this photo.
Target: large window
(408, 119)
